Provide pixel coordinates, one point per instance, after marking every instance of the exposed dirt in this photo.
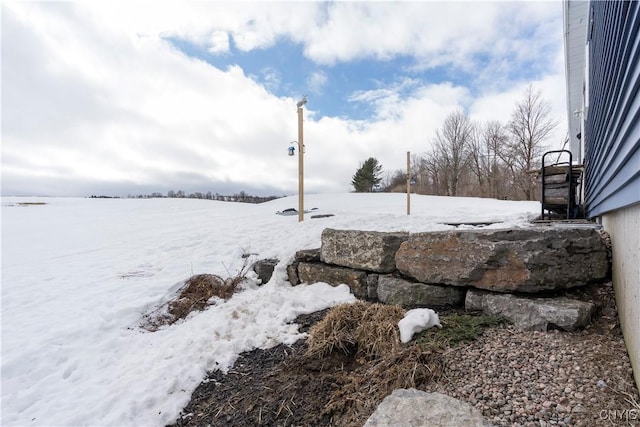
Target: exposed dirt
(275, 387)
(300, 385)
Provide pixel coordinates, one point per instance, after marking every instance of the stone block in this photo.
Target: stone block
(533, 314)
(363, 250)
(518, 260)
(372, 287)
(264, 269)
(308, 255)
(411, 407)
(292, 274)
(393, 290)
(356, 280)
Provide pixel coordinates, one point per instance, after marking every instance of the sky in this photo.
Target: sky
(79, 274)
(124, 98)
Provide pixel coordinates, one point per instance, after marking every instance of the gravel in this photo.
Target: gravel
(520, 378)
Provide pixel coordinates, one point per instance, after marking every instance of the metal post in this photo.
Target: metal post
(300, 164)
(408, 183)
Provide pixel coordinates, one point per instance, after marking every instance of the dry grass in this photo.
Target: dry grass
(198, 290)
(369, 333)
(361, 329)
(408, 367)
(193, 296)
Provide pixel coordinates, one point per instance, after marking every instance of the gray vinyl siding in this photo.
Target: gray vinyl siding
(612, 127)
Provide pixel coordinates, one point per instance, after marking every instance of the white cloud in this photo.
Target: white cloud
(411, 127)
(271, 78)
(155, 115)
(219, 42)
(499, 105)
(93, 95)
(316, 81)
(436, 33)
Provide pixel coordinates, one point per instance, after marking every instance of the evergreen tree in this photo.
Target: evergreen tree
(367, 176)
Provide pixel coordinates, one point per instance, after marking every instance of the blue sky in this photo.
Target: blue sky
(108, 97)
(284, 70)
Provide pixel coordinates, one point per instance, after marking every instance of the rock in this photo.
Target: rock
(292, 274)
(372, 287)
(518, 260)
(392, 290)
(321, 216)
(578, 409)
(356, 280)
(308, 255)
(264, 268)
(305, 255)
(411, 407)
(364, 250)
(533, 314)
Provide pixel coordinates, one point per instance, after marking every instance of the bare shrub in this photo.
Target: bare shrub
(194, 295)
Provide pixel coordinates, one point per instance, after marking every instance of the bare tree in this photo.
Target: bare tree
(396, 182)
(451, 149)
(488, 160)
(488, 153)
(431, 175)
(530, 126)
(479, 162)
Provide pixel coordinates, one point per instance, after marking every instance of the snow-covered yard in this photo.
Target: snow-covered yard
(77, 275)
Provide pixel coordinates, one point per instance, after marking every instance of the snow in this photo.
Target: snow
(77, 275)
(417, 320)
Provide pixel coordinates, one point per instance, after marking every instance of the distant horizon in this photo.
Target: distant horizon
(275, 197)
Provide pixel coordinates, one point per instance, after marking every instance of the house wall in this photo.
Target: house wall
(611, 137)
(612, 113)
(624, 228)
(575, 34)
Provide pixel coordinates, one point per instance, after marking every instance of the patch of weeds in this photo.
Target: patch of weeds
(457, 328)
(194, 295)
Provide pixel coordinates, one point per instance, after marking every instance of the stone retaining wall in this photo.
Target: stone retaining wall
(439, 269)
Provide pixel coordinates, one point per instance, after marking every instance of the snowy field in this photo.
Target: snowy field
(77, 275)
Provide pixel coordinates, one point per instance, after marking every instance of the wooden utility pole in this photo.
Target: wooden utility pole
(408, 183)
(300, 161)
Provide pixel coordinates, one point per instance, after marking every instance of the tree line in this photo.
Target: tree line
(242, 196)
(474, 159)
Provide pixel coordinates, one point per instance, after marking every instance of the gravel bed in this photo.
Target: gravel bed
(553, 378)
